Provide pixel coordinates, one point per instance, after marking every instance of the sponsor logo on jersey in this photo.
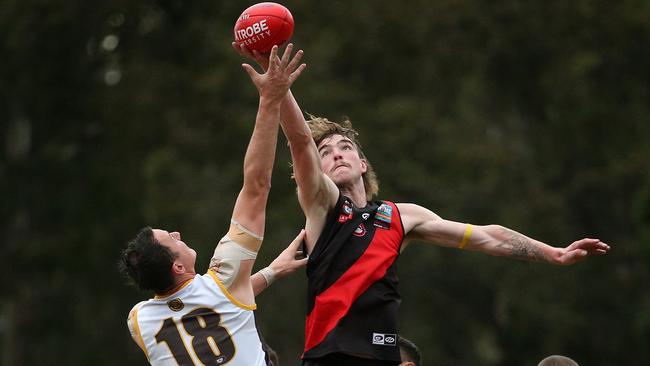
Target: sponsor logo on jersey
(360, 230)
(365, 216)
(383, 216)
(175, 304)
(384, 339)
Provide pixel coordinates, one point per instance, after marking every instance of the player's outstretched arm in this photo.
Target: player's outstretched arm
(260, 155)
(250, 208)
(422, 224)
(285, 264)
(316, 192)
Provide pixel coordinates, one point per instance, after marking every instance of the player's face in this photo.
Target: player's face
(172, 240)
(340, 160)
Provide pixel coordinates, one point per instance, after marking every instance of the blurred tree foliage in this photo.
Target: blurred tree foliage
(531, 114)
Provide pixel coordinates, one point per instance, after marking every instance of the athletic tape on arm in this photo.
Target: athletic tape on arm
(237, 245)
(269, 275)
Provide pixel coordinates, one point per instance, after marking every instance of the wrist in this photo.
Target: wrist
(269, 274)
(554, 255)
(270, 102)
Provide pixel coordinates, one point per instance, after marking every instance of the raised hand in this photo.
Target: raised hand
(281, 73)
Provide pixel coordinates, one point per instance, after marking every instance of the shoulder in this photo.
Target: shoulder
(415, 211)
(132, 318)
(136, 308)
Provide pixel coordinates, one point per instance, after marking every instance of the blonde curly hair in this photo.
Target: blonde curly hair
(322, 128)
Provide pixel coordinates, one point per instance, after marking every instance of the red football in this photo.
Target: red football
(262, 26)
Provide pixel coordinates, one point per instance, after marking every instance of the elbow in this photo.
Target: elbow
(490, 239)
(258, 185)
(495, 231)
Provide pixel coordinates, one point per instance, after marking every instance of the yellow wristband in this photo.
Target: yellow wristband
(468, 233)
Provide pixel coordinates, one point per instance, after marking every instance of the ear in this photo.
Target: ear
(178, 268)
(364, 166)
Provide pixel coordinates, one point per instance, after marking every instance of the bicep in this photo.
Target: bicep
(440, 232)
(317, 196)
(424, 225)
(304, 154)
(250, 210)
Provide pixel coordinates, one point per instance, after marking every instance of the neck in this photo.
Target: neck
(179, 282)
(357, 194)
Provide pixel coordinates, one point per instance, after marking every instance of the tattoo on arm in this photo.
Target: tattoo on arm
(520, 247)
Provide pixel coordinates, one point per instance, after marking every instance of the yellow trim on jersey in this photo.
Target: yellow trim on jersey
(174, 290)
(136, 329)
(468, 233)
(225, 291)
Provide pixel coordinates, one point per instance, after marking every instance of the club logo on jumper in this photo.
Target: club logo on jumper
(346, 212)
(175, 304)
(383, 216)
(384, 339)
(365, 216)
(360, 230)
(347, 209)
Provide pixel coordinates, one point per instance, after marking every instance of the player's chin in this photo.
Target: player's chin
(340, 178)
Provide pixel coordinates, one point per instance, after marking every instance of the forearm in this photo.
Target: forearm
(259, 283)
(264, 278)
(501, 241)
(260, 155)
(293, 122)
(301, 143)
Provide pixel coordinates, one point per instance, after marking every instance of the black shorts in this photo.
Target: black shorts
(339, 359)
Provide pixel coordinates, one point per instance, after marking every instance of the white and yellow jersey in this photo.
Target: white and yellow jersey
(199, 324)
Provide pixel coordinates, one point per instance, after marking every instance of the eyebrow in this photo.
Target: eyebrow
(344, 140)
